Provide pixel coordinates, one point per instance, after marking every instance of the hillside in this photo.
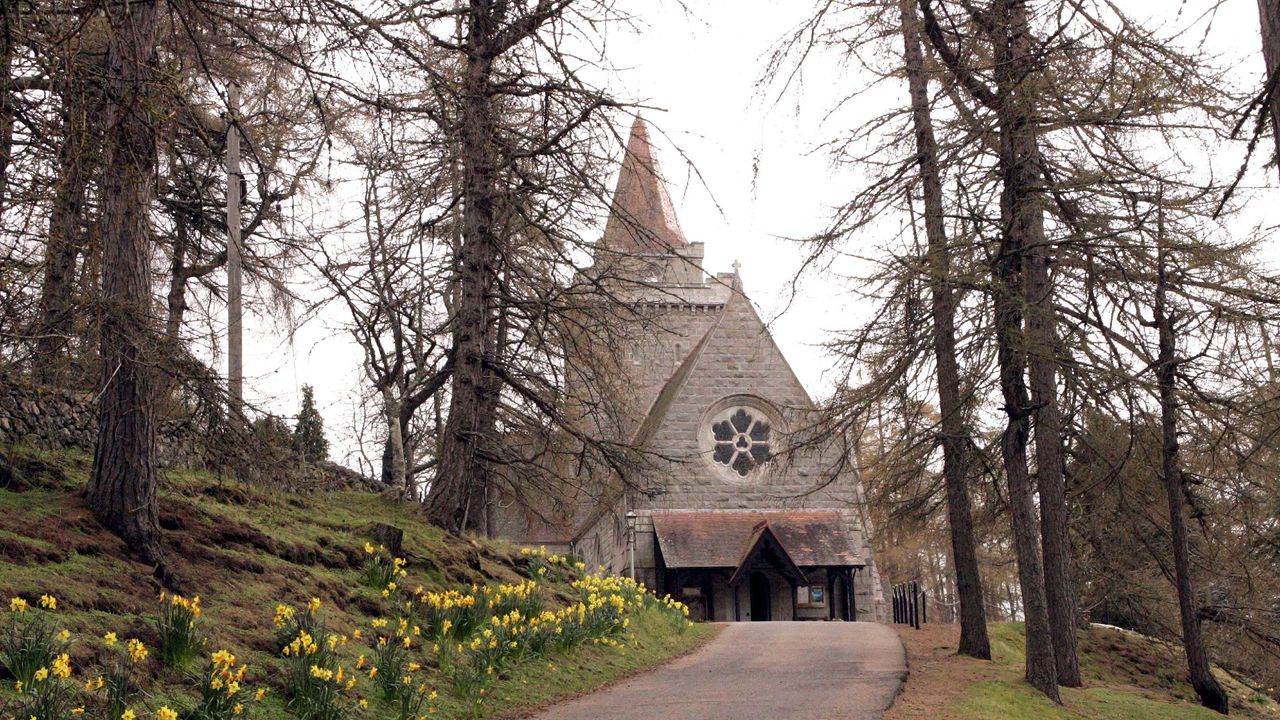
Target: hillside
(246, 550)
(1127, 677)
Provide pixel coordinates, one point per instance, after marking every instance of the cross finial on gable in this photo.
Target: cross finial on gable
(736, 266)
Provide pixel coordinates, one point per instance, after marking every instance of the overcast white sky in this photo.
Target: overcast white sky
(702, 67)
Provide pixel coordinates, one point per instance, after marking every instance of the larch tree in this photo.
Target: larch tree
(122, 484)
(955, 452)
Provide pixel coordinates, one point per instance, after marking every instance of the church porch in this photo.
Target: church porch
(738, 566)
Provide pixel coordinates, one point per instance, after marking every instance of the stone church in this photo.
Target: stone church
(733, 517)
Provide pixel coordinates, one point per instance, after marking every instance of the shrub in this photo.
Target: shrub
(308, 435)
(180, 641)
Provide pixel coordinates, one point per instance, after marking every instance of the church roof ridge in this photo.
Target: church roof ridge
(641, 216)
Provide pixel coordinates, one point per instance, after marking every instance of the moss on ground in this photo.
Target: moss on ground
(243, 549)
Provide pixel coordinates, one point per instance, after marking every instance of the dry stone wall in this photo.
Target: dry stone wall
(52, 418)
(44, 417)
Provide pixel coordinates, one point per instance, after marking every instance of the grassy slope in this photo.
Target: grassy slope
(244, 549)
(1127, 677)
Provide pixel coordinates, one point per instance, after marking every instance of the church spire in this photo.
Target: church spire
(641, 218)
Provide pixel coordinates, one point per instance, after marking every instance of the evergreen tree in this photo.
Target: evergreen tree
(308, 435)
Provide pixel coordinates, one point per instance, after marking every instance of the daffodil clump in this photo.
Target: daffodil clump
(412, 698)
(604, 602)
(674, 610)
(450, 614)
(318, 685)
(392, 645)
(51, 695)
(180, 641)
(601, 616)
(541, 563)
(118, 685)
(34, 651)
(32, 640)
(291, 622)
(380, 568)
(222, 691)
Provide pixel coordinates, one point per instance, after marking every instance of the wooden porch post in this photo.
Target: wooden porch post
(708, 594)
(851, 598)
(795, 604)
(831, 594)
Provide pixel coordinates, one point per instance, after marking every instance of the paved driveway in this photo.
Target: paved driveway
(809, 670)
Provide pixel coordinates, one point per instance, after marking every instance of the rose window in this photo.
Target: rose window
(741, 441)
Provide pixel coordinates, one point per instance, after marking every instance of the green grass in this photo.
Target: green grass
(1127, 677)
(245, 548)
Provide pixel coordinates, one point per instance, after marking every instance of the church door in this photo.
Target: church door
(761, 593)
(839, 610)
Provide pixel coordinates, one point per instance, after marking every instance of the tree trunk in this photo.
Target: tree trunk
(1269, 16)
(1059, 583)
(9, 23)
(1020, 217)
(1211, 693)
(395, 471)
(460, 476)
(1042, 343)
(177, 298)
(973, 620)
(121, 488)
(64, 244)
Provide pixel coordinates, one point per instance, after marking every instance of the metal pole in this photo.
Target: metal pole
(235, 327)
(915, 605)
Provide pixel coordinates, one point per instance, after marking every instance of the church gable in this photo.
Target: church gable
(724, 415)
(738, 359)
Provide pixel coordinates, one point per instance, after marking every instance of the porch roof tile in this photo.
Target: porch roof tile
(720, 538)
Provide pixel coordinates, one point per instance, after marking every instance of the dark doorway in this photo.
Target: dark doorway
(760, 597)
(839, 591)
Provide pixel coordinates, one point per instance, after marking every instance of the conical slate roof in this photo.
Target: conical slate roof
(642, 218)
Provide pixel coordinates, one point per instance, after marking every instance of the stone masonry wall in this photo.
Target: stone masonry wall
(53, 418)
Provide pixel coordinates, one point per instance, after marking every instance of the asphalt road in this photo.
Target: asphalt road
(810, 670)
